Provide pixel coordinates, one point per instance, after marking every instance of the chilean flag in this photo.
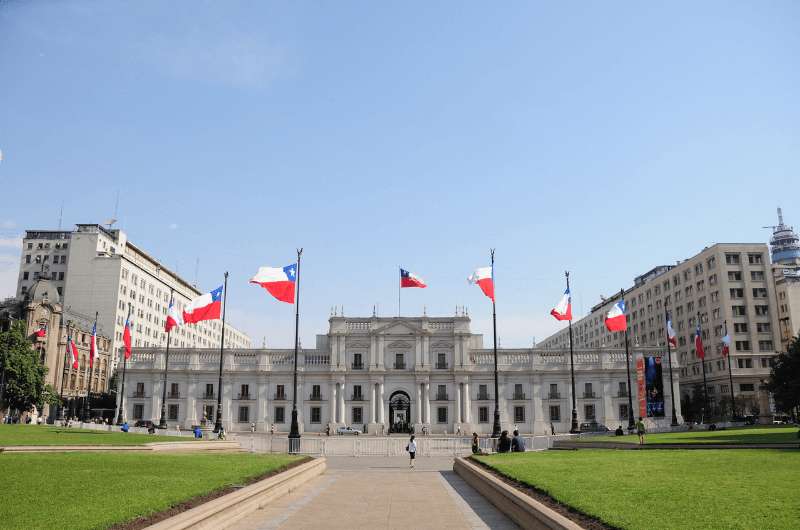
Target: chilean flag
(563, 311)
(409, 279)
(126, 336)
(615, 320)
(726, 344)
(484, 278)
(671, 334)
(205, 307)
(42, 331)
(72, 350)
(698, 343)
(93, 346)
(174, 318)
(278, 281)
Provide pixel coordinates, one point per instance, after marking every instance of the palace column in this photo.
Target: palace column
(333, 402)
(458, 402)
(381, 416)
(342, 415)
(428, 403)
(467, 403)
(372, 403)
(419, 403)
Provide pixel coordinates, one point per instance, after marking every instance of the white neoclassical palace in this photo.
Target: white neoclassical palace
(393, 374)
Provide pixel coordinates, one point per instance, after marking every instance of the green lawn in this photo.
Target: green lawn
(715, 488)
(46, 435)
(95, 490)
(744, 435)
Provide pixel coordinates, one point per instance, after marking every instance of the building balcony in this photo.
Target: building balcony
(399, 366)
(138, 394)
(441, 366)
(554, 395)
(622, 394)
(174, 395)
(315, 397)
(279, 397)
(207, 395)
(441, 397)
(589, 395)
(357, 397)
(518, 396)
(358, 366)
(483, 397)
(244, 397)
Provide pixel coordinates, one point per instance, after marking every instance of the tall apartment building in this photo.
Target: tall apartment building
(727, 282)
(785, 246)
(96, 269)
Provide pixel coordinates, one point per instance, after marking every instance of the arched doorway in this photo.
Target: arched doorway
(399, 412)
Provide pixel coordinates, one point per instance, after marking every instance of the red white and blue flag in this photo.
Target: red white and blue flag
(126, 336)
(278, 281)
(174, 318)
(483, 277)
(726, 344)
(73, 351)
(616, 320)
(93, 346)
(42, 331)
(671, 334)
(563, 311)
(205, 307)
(409, 279)
(698, 343)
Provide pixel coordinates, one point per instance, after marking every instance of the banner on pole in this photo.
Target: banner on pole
(654, 386)
(641, 386)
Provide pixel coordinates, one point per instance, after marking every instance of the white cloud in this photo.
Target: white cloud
(9, 272)
(173, 226)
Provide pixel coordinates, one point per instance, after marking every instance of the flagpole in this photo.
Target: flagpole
(730, 375)
(218, 424)
(703, 362)
(631, 424)
(64, 368)
(88, 376)
(574, 426)
(124, 366)
(399, 290)
(294, 432)
(496, 426)
(674, 421)
(162, 424)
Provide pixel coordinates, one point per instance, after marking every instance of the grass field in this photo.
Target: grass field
(744, 435)
(745, 488)
(46, 435)
(95, 490)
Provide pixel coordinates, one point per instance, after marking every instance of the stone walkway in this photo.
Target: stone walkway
(381, 492)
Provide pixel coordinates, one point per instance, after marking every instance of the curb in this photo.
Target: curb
(637, 447)
(153, 446)
(226, 510)
(524, 510)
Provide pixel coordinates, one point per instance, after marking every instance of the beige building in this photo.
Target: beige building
(785, 246)
(727, 282)
(41, 309)
(96, 269)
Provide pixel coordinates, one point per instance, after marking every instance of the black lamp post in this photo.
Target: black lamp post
(162, 424)
(294, 431)
(218, 423)
(496, 425)
(574, 425)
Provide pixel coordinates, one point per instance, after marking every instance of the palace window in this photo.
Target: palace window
(244, 414)
(280, 416)
(519, 414)
(588, 412)
(172, 412)
(208, 414)
(138, 411)
(441, 415)
(555, 413)
(483, 414)
(746, 387)
(623, 411)
(358, 415)
(316, 414)
(357, 395)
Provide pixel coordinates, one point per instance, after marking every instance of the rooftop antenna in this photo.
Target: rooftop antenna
(113, 220)
(196, 271)
(780, 221)
(60, 215)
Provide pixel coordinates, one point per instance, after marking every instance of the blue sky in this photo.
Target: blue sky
(602, 137)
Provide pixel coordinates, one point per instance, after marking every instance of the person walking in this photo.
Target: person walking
(640, 430)
(412, 451)
(476, 448)
(552, 429)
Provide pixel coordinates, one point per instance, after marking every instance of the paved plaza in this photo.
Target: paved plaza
(381, 492)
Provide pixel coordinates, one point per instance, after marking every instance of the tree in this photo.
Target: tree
(23, 371)
(784, 380)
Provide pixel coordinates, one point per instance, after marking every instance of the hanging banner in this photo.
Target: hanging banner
(654, 385)
(641, 388)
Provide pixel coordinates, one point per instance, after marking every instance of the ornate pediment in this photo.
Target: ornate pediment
(399, 344)
(442, 345)
(399, 327)
(357, 344)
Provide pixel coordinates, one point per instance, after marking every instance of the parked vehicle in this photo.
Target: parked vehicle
(143, 423)
(593, 426)
(347, 430)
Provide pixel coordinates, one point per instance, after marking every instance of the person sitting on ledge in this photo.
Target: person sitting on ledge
(124, 427)
(619, 431)
(476, 448)
(517, 443)
(504, 444)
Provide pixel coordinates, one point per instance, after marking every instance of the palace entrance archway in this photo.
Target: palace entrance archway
(399, 412)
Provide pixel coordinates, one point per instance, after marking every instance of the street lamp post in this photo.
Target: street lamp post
(496, 425)
(294, 431)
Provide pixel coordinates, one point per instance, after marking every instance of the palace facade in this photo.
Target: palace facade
(395, 374)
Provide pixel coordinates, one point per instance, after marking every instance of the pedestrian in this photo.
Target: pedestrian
(252, 427)
(640, 430)
(458, 430)
(552, 429)
(476, 449)
(412, 451)
(272, 429)
(504, 444)
(178, 428)
(517, 443)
